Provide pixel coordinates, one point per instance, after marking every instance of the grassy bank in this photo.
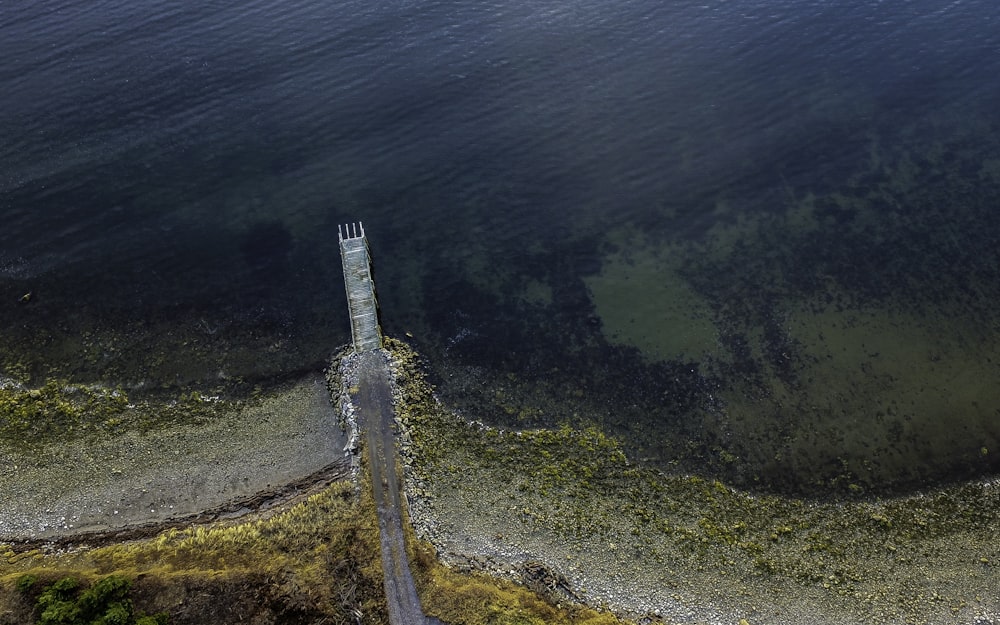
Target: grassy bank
(317, 560)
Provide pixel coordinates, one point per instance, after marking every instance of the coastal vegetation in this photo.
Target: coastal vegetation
(317, 559)
(105, 602)
(59, 411)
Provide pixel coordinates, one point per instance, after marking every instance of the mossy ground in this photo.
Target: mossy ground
(60, 411)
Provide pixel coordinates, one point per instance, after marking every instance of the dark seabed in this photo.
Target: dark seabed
(757, 240)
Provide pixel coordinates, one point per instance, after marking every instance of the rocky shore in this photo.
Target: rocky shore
(137, 478)
(565, 513)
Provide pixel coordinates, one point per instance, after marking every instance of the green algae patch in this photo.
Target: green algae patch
(537, 293)
(58, 410)
(867, 399)
(61, 411)
(643, 301)
(896, 392)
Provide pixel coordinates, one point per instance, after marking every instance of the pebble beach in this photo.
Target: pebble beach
(138, 478)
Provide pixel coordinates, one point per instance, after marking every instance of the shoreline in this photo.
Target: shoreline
(258, 506)
(565, 514)
(563, 511)
(134, 478)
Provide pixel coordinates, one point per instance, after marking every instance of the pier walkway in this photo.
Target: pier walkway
(372, 399)
(365, 331)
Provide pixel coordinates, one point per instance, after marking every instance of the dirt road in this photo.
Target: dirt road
(373, 403)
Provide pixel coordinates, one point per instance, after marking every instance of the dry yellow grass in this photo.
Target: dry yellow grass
(317, 561)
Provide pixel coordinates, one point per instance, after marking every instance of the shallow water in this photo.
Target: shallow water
(755, 239)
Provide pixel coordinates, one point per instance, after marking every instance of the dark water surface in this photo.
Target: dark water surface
(754, 239)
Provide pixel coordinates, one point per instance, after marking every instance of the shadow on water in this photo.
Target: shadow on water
(206, 305)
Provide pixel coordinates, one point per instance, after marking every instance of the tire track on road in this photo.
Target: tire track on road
(373, 405)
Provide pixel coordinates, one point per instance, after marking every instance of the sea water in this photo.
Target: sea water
(755, 239)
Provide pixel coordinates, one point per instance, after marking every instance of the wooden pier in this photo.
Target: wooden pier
(373, 405)
(361, 303)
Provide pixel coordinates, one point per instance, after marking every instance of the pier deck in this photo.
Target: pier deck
(361, 302)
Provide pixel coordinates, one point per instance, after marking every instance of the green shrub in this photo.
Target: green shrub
(55, 604)
(106, 596)
(106, 602)
(25, 583)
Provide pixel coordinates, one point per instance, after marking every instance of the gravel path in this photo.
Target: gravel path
(371, 395)
(134, 478)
